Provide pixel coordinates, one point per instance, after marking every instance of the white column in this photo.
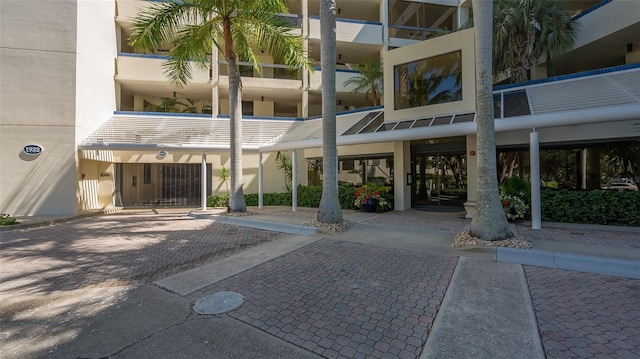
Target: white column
(260, 179)
(203, 183)
(215, 76)
(534, 151)
(294, 181)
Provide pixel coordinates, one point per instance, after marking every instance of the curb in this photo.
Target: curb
(52, 222)
(577, 262)
(258, 224)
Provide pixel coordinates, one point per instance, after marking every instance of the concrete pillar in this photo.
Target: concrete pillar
(215, 91)
(260, 181)
(203, 183)
(472, 176)
(294, 181)
(534, 150)
(402, 166)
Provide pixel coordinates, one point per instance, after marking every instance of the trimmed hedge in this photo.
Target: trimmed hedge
(620, 208)
(308, 196)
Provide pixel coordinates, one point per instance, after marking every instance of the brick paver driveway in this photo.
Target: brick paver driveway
(585, 315)
(115, 250)
(344, 300)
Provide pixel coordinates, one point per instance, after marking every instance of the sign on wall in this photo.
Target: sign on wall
(32, 150)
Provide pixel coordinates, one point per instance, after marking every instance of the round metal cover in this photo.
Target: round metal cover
(218, 303)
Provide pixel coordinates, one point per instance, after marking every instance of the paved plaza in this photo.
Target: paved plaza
(101, 286)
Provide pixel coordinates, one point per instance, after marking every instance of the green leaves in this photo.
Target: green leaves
(620, 208)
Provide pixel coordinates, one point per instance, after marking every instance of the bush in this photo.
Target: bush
(218, 201)
(514, 207)
(6, 220)
(515, 186)
(620, 208)
(308, 196)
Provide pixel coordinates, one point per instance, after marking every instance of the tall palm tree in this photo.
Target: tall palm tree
(369, 79)
(526, 31)
(235, 28)
(329, 210)
(489, 221)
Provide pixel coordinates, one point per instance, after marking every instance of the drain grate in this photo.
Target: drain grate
(218, 303)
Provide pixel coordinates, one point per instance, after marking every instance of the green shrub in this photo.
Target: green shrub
(620, 208)
(218, 201)
(6, 220)
(308, 196)
(515, 186)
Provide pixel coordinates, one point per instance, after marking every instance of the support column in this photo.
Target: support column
(203, 183)
(215, 78)
(534, 151)
(260, 181)
(294, 181)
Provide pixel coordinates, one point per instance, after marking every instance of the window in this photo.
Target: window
(147, 173)
(428, 81)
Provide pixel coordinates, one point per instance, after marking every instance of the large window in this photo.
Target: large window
(428, 81)
(356, 170)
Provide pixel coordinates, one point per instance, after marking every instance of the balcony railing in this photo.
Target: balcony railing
(415, 33)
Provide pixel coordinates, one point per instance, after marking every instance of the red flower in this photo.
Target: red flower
(505, 203)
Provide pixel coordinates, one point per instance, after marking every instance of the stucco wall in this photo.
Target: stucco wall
(461, 40)
(37, 97)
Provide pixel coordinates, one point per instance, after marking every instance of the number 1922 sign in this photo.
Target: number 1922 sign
(32, 150)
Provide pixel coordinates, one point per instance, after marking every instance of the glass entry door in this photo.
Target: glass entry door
(439, 176)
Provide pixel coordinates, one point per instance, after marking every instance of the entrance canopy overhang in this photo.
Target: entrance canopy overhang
(593, 97)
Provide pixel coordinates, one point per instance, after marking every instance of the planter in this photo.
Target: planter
(370, 206)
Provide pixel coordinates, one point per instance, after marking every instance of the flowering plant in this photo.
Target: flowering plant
(364, 194)
(514, 207)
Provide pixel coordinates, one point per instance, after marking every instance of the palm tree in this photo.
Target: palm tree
(329, 210)
(369, 79)
(489, 221)
(235, 28)
(526, 31)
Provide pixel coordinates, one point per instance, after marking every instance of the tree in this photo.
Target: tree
(235, 28)
(369, 79)
(329, 210)
(283, 163)
(526, 31)
(489, 221)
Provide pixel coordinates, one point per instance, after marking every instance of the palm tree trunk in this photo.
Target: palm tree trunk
(329, 210)
(489, 221)
(236, 199)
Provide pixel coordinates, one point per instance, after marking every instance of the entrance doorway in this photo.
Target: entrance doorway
(439, 172)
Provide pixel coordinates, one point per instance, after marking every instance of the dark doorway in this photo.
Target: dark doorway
(439, 172)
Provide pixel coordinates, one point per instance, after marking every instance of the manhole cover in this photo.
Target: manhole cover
(218, 303)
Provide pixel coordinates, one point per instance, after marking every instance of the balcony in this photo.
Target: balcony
(347, 30)
(342, 75)
(149, 68)
(271, 76)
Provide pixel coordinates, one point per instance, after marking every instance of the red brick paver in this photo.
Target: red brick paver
(585, 315)
(115, 250)
(344, 300)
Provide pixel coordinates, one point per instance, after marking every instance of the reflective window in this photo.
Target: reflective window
(429, 81)
(516, 103)
(363, 122)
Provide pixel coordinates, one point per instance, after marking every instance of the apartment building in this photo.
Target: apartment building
(87, 123)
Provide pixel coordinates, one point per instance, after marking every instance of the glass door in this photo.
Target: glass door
(439, 173)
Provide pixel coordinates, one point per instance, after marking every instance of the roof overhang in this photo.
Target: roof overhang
(566, 118)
